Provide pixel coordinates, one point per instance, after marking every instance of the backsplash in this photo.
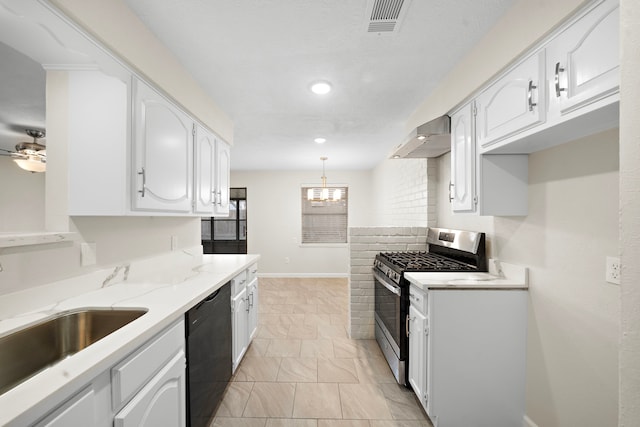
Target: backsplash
(364, 244)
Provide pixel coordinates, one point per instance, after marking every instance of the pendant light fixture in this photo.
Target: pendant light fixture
(324, 194)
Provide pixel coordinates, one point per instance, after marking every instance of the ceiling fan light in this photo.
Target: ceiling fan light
(31, 165)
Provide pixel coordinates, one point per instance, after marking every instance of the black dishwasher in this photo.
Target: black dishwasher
(208, 355)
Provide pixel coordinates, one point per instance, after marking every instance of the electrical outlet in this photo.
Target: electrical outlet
(613, 270)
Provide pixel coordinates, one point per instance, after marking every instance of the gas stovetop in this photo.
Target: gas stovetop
(449, 251)
(423, 261)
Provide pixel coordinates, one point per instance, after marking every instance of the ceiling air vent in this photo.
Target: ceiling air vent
(385, 16)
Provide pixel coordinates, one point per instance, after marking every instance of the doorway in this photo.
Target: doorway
(227, 235)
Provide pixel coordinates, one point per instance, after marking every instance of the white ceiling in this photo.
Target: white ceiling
(257, 58)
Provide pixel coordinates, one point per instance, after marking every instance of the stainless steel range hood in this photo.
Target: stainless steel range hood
(431, 139)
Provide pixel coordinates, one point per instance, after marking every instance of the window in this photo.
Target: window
(227, 235)
(324, 221)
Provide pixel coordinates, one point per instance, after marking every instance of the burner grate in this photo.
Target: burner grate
(424, 261)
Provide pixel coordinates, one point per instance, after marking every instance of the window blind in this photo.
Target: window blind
(325, 221)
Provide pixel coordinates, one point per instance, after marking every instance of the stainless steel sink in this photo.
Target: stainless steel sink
(28, 351)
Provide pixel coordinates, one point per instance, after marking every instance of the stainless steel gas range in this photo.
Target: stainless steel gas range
(448, 251)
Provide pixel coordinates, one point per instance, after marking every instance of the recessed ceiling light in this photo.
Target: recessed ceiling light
(320, 140)
(321, 88)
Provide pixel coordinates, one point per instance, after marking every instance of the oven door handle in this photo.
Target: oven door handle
(392, 288)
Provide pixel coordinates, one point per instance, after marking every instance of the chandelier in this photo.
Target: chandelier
(324, 193)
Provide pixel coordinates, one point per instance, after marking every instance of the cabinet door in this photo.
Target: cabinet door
(163, 159)
(223, 168)
(162, 402)
(239, 326)
(584, 60)
(514, 103)
(463, 160)
(204, 185)
(78, 412)
(418, 354)
(252, 322)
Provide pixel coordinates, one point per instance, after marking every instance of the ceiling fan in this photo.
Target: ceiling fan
(30, 156)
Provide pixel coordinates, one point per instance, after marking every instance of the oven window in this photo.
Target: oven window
(387, 306)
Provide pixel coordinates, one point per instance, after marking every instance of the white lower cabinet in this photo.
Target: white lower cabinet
(239, 307)
(81, 410)
(418, 332)
(147, 388)
(161, 401)
(252, 316)
(468, 364)
(244, 307)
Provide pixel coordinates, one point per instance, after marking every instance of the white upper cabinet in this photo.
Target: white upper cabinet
(153, 158)
(584, 60)
(483, 183)
(462, 193)
(577, 96)
(163, 155)
(222, 174)
(514, 103)
(205, 191)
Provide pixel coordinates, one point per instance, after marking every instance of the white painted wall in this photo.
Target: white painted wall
(573, 313)
(274, 220)
(630, 213)
(21, 198)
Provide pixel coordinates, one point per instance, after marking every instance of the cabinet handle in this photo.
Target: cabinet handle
(530, 95)
(215, 198)
(406, 325)
(248, 306)
(144, 182)
(451, 184)
(251, 301)
(559, 89)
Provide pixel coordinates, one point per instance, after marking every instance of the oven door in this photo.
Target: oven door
(388, 298)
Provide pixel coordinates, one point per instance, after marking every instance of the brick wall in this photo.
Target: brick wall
(405, 192)
(364, 244)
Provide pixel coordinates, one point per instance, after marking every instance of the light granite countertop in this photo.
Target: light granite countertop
(166, 286)
(501, 275)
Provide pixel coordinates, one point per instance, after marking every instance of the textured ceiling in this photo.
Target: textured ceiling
(257, 58)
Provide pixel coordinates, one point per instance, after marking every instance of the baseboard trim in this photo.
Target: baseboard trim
(526, 422)
(304, 275)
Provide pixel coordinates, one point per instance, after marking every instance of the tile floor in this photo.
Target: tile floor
(302, 370)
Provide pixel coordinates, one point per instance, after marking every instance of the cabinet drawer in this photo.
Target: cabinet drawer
(238, 283)
(132, 373)
(418, 299)
(252, 272)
